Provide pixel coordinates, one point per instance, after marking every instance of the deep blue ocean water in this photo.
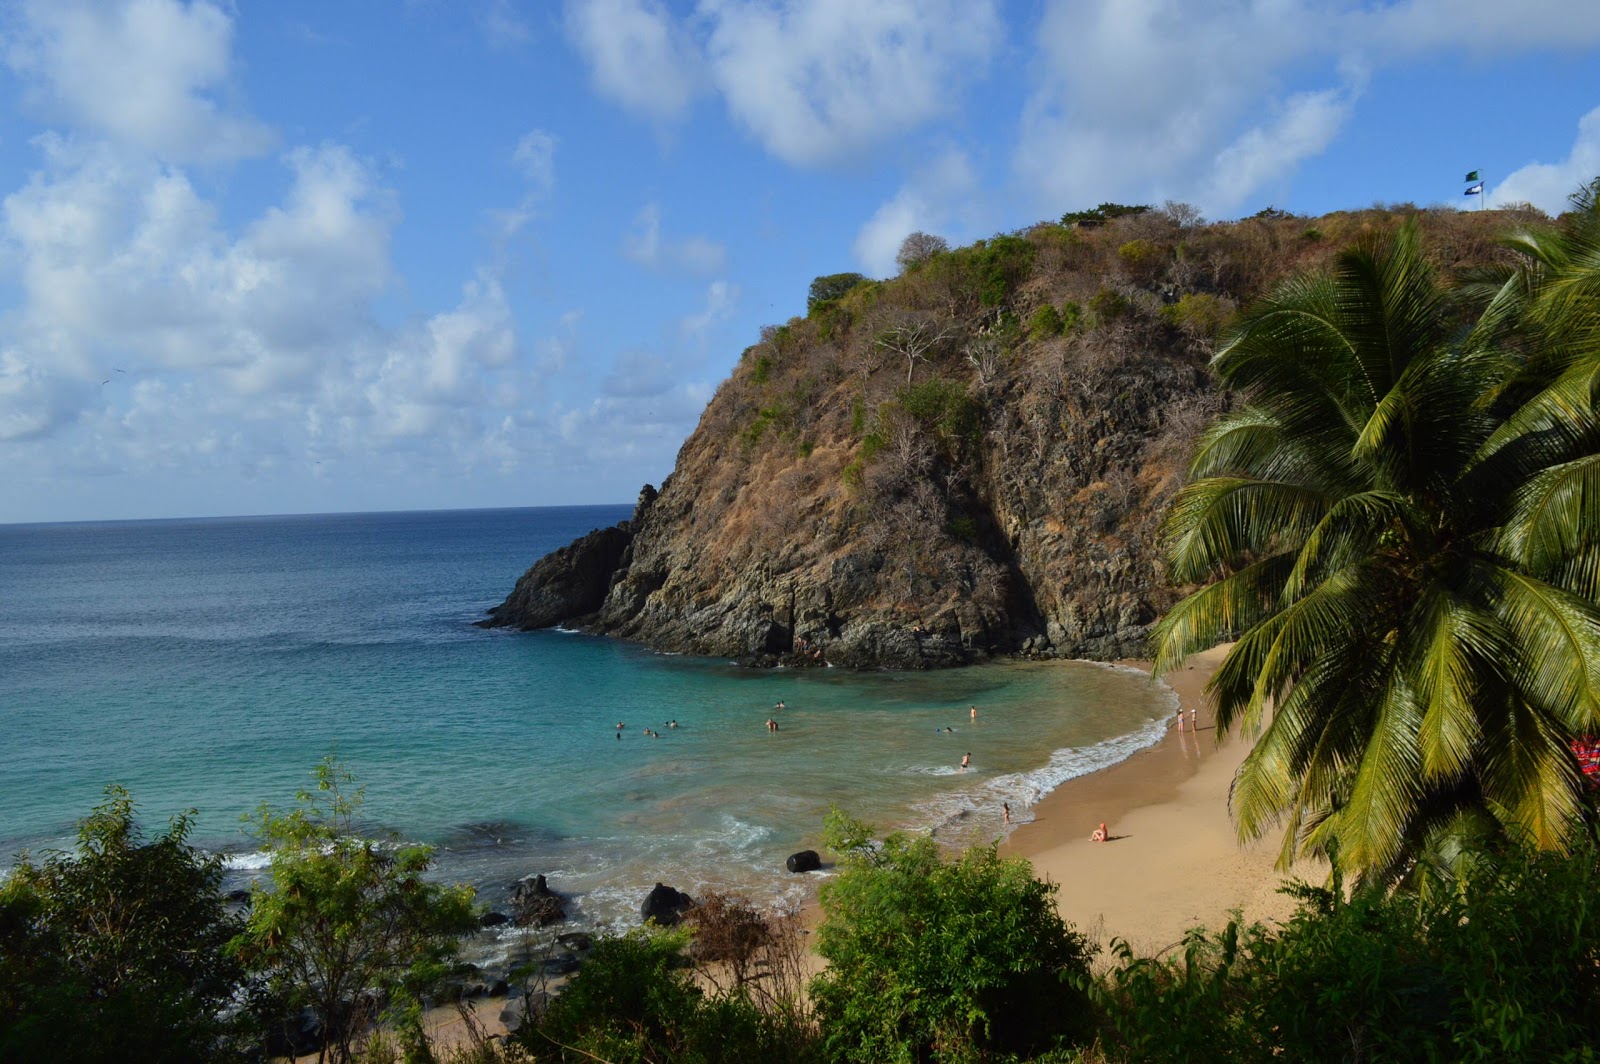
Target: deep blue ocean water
(211, 663)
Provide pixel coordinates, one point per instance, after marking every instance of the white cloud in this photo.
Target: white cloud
(638, 56)
(816, 82)
(1547, 185)
(696, 255)
(1303, 128)
(534, 158)
(1173, 99)
(503, 25)
(145, 73)
(721, 299)
(926, 203)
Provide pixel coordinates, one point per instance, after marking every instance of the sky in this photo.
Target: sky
(274, 256)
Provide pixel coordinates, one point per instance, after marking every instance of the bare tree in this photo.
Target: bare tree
(913, 336)
(985, 354)
(918, 248)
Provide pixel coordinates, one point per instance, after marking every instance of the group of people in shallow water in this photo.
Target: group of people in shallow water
(649, 734)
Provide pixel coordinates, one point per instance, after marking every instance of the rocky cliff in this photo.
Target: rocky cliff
(971, 459)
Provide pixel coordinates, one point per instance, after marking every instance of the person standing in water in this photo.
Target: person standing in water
(966, 760)
(974, 713)
(1005, 812)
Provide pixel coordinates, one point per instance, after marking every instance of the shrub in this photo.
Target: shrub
(118, 950)
(347, 914)
(943, 407)
(942, 959)
(829, 287)
(1045, 323)
(1000, 265)
(1199, 314)
(918, 248)
(1107, 305)
(1142, 258)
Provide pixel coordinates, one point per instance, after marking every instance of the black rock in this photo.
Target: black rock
(565, 584)
(804, 861)
(562, 964)
(237, 897)
(498, 988)
(534, 904)
(493, 919)
(576, 941)
(665, 905)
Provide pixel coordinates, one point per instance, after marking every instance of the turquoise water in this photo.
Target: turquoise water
(211, 663)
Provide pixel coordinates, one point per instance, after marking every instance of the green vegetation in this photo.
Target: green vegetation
(944, 408)
(1506, 968)
(830, 287)
(348, 916)
(1100, 215)
(117, 951)
(944, 960)
(999, 265)
(1045, 323)
(1399, 527)
(1199, 314)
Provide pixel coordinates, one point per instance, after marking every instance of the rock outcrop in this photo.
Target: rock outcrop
(969, 460)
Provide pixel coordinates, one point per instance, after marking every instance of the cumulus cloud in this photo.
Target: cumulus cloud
(697, 255)
(819, 81)
(148, 74)
(1547, 185)
(638, 55)
(1158, 99)
(926, 203)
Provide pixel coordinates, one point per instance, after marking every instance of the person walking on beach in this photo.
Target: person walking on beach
(1192, 726)
(1005, 812)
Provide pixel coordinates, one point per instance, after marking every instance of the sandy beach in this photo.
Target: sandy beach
(1174, 860)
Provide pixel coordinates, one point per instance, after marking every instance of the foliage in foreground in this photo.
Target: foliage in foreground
(348, 922)
(1507, 969)
(116, 950)
(935, 959)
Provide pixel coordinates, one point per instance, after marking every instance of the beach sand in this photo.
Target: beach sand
(1175, 861)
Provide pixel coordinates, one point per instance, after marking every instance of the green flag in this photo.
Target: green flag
(1471, 177)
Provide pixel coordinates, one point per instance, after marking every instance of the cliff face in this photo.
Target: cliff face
(972, 459)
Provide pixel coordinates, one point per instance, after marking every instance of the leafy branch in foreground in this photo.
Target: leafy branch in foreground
(348, 919)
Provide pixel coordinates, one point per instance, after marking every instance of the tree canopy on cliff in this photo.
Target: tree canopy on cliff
(1401, 528)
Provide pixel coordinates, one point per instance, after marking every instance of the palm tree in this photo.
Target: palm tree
(1398, 526)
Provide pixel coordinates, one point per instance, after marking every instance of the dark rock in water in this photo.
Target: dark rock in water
(566, 584)
(534, 904)
(493, 919)
(665, 905)
(577, 941)
(237, 897)
(804, 861)
(498, 988)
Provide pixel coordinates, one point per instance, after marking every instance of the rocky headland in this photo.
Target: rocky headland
(969, 460)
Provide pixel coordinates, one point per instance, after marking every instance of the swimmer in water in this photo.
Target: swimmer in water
(966, 760)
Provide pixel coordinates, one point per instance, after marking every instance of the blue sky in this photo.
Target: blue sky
(268, 257)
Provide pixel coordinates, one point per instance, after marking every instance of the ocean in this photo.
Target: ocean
(209, 664)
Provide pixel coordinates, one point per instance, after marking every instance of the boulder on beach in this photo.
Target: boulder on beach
(804, 861)
(534, 904)
(665, 905)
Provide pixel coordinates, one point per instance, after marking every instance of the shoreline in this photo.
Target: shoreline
(1174, 861)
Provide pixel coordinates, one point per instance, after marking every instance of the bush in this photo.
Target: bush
(948, 960)
(1143, 259)
(347, 916)
(116, 951)
(1505, 967)
(1000, 265)
(829, 287)
(1107, 305)
(943, 407)
(1045, 323)
(1199, 314)
(1100, 215)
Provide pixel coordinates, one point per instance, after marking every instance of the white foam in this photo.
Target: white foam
(247, 862)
